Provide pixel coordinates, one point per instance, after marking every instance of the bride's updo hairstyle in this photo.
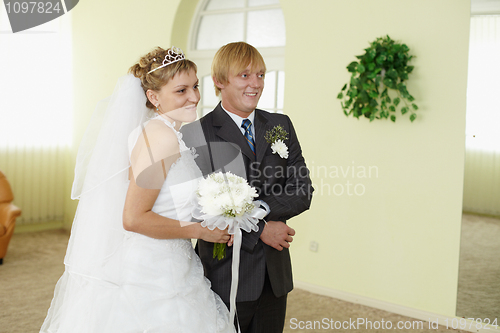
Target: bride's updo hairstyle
(158, 66)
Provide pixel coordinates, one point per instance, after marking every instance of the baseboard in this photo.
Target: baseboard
(495, 215)
(20, 228)
(394, 308)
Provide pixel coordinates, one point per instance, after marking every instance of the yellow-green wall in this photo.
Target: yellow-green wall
(399, 241)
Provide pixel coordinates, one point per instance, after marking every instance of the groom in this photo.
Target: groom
(233, 140)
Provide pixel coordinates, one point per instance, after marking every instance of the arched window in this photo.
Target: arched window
(258, 22)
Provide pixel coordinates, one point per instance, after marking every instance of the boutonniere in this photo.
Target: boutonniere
(275, 137)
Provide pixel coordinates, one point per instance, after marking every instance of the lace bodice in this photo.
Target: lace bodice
(178, 192)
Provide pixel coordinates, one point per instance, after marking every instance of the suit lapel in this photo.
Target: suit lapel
(228, 131)
(261, 127)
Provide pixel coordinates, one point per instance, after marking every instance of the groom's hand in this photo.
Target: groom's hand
(277, 235)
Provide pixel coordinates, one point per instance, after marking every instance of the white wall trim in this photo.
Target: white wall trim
(390, 307)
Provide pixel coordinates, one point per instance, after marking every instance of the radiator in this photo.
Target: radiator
(37, 177)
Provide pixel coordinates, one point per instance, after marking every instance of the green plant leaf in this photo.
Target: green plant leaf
(360, 68)
(396, 101)
(388, 99)
(413, 117)
(392, 74)
(389, 83)
(404, 110)
(393, 118)
(352, 92)
(356, 112)
(371, 66)
(392, 108)
(402, 88)
(340, 96)
(373, 94)
(415, 107)
(344, 87)
(364, 96)
(352, 67)
(380, 59)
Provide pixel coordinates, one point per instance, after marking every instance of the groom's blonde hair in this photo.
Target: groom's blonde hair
(234, 58)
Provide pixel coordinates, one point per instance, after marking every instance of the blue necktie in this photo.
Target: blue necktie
(247, 126)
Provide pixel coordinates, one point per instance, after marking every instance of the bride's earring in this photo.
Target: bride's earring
(157, 108)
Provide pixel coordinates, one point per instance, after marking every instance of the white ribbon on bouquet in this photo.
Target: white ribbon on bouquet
(247, 222)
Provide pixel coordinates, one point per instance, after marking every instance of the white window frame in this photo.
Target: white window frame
(273, 56)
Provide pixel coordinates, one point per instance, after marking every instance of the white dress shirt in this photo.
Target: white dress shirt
(238, 120)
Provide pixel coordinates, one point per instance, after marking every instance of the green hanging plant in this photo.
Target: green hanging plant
(377, 87)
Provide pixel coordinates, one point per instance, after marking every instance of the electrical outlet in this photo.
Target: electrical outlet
(313, 246)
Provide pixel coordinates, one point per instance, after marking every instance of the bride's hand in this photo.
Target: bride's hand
(231, 241)
(215, 236)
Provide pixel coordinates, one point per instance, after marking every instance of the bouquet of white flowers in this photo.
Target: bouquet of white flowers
(226, 200)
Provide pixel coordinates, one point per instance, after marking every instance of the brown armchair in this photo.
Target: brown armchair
(8, 215)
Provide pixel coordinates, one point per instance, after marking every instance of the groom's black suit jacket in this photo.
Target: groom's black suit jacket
(284, 184)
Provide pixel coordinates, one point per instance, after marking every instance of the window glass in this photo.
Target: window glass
(213, 31)
(281, 89)
(37, 63)
(266, 28)
(253, 3)
(208, 92)
(267, 100)
(223, 4)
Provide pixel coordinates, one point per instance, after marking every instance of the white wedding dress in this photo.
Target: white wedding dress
(161, 287)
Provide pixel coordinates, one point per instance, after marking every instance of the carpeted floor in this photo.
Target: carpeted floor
(34, 263)
(31, 268)
(479, 273)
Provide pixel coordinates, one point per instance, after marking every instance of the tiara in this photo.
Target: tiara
(173, 55)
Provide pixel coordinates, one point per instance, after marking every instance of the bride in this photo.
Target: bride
(130, 265)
